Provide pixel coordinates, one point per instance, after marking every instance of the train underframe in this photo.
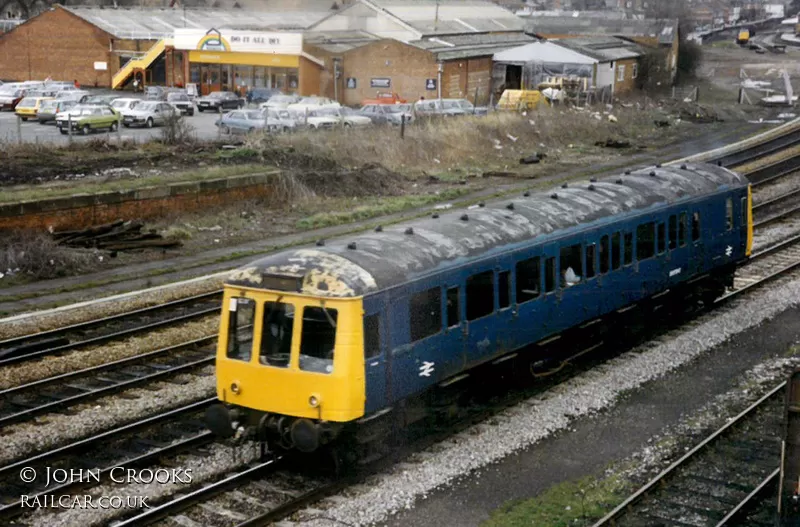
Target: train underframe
(374, 436)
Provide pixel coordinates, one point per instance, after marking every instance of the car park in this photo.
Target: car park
(99, 99)
(280, 120)
(387, 113)
(180, 101)
(384, 98)
(72, 95)
(313, 103)
(331, 117)
(261, 95)
(28, 107)
(10, 98)
(280, 101)
(149, 114)
(123, 105)
(243, 121)
(447, 108)
(52, 107)
(217, 101)
(88, 119)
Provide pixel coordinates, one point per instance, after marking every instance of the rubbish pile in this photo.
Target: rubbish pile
(120, 235)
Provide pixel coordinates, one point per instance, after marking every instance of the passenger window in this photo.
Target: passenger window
(604, 254)
(615, 251)
(628, 256)
(729, 214)
(695, 226)
(240, 328)
(645, 241)
(570, 265)
(744, 212)
(318, 340)
(504, 289)
(480, 295)
(276, 334)
(661, 241)
(590, 257)
(453, 308)
(682, 230)
(549, 275)
(528, 279)
(425, 313)
(372, 336)
(673, 232)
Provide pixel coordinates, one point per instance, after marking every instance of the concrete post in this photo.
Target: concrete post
(19, 129)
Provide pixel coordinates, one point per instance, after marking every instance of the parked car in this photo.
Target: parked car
(29, 106)
(447, 107)
(244, 121)
(330, 117)
(50, 108)
(279, 120)
(123, 105)
(218, 101)
(387, 113)
(280, 101)
(180, 101)
(313, 103)
(11, 97)
(154, 93)
(99, 99)
(261, 95)
(72, 95)
(149, 114)
(384, 98)
(87, 119)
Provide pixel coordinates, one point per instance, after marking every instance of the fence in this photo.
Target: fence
(686, 93)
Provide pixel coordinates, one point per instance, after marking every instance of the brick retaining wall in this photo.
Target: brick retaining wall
(82, 210)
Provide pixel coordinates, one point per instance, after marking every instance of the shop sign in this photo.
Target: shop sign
(430, 84)
(351, 83)
(213, 39)
(380, 83)
(101, 66)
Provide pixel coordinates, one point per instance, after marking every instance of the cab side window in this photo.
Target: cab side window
(241, 315)
(372, 336)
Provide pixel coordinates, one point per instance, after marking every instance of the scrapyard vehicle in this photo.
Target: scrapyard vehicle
(520, 100)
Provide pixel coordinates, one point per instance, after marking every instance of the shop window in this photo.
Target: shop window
(425, 313)
(628, 249)
(318, 340)
(550, 275)
(372, 336)
(504, 289)
(729, 213)
(570, 265)
(604, 254)
(645, 241)
(453, 307)
(682, 230)
(591, 249)
(240, 328)
(662, 245)
(615, 251)
(276, 334)
(528, 279)
(695, 226)
(480, 295)
(673, 232)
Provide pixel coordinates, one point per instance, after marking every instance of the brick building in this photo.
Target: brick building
(419, 48)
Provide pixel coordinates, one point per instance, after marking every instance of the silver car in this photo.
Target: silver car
(149, 114)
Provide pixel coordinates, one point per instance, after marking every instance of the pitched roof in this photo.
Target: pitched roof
(664, 30)
(157, 23)
(547, 51)
(452, 47)
(339, 41)
(451, 16)
(604, 49)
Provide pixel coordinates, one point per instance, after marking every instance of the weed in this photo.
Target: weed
(36, 255)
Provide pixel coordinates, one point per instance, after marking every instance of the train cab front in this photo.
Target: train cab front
(289, 368)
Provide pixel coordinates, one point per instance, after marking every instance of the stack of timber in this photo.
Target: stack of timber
(117, 236)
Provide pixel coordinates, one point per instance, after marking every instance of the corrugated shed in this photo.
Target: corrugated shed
(604, 49)
(452, 47)
(542, 51)
(663, 30)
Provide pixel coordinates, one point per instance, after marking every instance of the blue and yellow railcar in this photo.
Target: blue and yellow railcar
(319, 340)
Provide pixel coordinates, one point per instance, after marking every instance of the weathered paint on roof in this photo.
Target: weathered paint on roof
(381, 260)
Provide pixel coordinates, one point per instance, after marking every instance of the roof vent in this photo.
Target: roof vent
(320, 243)
(683, 166)
(527, 194)
(410, 230)
(435, 215)
(627, 172)
(481, 204)
(464, 217)
(653, 173)
(554, 195)
(565, 185)
(593, 180)
(619, 181)
(510, 206)
(379, 228)
(658, 165)
(591, 187)
(351, 246)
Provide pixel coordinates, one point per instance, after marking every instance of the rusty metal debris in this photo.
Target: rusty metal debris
(120, 235)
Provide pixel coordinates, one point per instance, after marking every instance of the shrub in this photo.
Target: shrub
(689, 56)
(38, 255)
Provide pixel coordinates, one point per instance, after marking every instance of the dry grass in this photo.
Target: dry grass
(64, 317)
(472, 141)
(26, 372)
(36, 255)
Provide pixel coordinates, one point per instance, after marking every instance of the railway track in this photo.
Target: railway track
(718, 480)
(110, 328)
(61, 391)
(759, 151)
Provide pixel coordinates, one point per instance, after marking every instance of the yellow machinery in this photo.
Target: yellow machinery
(520, 100)
(743, 37)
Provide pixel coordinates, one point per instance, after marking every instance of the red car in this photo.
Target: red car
(10, 98)
(385, 98)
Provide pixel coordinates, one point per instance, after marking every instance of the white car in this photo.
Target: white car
(280, 120)
(125, 105)
(280, 101)
(313, 103)
(331, 117)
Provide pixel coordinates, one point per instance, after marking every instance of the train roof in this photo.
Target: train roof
(377, 260)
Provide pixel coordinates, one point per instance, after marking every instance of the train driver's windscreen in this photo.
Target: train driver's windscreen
(276, 334)
(318, 339)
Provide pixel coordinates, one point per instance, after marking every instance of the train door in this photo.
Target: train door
(572, 286)
(548, 303)
(376, 346)
(455, 328)
(677, 245)
(480, 307)
(506, 320)
(698, 240)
